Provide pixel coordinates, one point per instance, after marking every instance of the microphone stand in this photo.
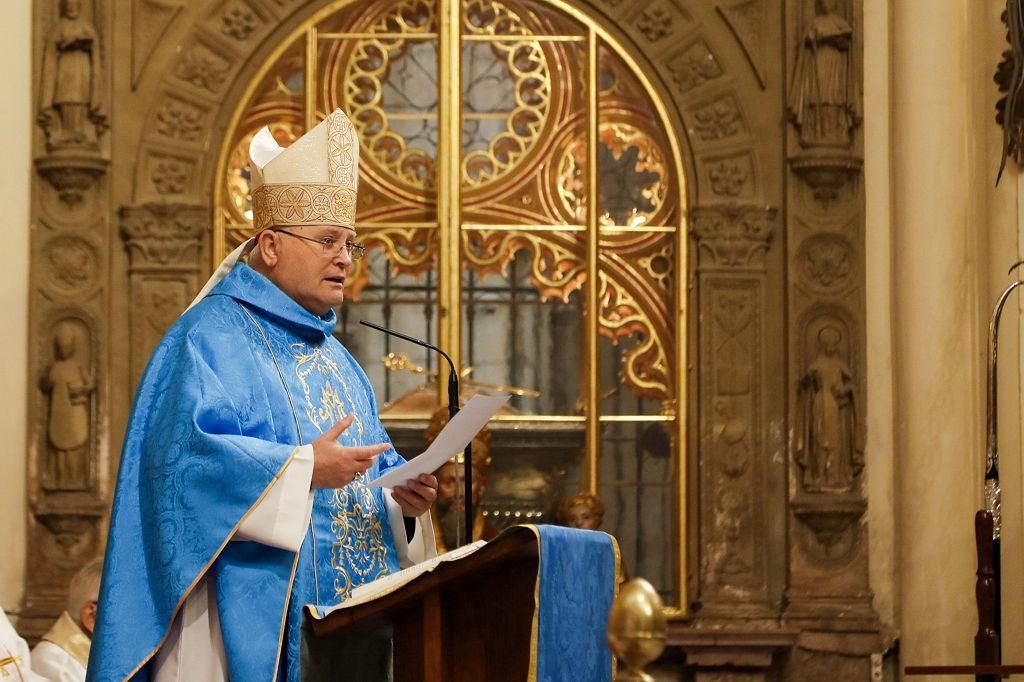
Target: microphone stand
(453, 409)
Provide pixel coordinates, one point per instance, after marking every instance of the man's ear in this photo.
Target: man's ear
(267, 248)
(88, 617)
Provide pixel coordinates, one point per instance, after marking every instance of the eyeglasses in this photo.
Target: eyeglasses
(331, 246)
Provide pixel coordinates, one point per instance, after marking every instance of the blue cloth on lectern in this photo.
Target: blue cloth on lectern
(577, 586)
(210, 431)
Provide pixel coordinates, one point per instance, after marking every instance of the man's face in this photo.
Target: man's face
(303, 271)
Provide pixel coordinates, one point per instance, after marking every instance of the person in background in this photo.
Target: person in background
(15, 662)
(63, 653)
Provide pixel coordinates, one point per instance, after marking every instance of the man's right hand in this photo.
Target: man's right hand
(334, 464)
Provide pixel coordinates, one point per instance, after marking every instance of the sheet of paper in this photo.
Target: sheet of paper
(452, 440)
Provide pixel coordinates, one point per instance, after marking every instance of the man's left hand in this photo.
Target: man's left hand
(416, 496)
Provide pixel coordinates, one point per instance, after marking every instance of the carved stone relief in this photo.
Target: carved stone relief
(170, 175)
(746, 19)
(828, 597)
(150, 21)
(731, 177)
(238, 20)
(732, 242)
(717, 120)
(180, 120)
(824, 102)
(69, 304)
(72, 109)
(164, 243)
(733, 235)
(731, 436)
(71, 265)
(827, 263)
(69, 383)
(655, 23)
(203, 68)
(829, 444)
(694, 66)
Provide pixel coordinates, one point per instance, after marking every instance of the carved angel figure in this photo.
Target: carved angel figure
(69, 387)
(823, 101)
(70, 96)
(830, 443)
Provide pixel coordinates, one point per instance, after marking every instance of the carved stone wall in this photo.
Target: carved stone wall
(69, 324)
(778, 573)
(828, 596)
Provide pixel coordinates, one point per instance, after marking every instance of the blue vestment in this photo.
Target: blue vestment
(212, 428)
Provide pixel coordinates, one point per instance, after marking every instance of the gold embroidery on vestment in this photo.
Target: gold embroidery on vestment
(358, 553)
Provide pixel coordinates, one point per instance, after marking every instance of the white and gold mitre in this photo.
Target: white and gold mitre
(312, 182)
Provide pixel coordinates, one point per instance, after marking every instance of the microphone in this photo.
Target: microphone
(453, 409)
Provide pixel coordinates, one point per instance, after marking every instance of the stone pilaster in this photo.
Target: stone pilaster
(164, 243)
(68, 399)
(732, 240)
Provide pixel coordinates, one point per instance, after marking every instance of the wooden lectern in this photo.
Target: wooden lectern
(467, 620)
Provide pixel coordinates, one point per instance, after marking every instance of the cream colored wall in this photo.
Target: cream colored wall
(15, 172)
(939, 240)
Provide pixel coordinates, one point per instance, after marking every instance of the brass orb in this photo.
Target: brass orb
(637, 629)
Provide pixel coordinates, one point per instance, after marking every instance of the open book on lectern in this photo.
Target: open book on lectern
(387, 584)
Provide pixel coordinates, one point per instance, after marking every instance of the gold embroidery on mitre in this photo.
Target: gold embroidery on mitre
(331, 202)
(304, 204)
(341, 140)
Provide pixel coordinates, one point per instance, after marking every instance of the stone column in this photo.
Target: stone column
(939, 177)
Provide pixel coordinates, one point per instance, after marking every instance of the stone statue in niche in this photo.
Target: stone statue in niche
(824, 99)
(69, 387)
(830, 445)
(70, 99)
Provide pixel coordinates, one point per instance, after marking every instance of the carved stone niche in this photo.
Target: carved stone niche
(824, 100)
(72, 173)
(826, 171)
(72, 104)
(68, 383)
(831, 523)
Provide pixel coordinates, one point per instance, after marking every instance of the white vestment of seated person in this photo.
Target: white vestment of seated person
(63, 653)
(194, 649)
(15, 660)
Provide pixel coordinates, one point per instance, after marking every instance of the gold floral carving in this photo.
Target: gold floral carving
(409, 251)
(306, 204)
